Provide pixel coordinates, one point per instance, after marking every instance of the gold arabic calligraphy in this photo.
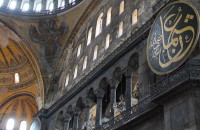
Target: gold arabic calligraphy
(171, 44)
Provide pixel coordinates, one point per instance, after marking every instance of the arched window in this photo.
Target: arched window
(75, 71)
(51, 6)
(120, 29)
(23, 125)
(121, 7)
(67, 80)
(89, 36)
(25, 7)
(95, 52)
(85, 63)
(109, 16)
(72, 2)
(79, 50)
(99, 24)
(10, 124)
(38, 7)
(107, 41)
(134, 17)
(16, 78)
(1, 2)
(13, 4)
(62, 3)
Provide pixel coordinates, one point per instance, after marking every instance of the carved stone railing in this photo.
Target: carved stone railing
(172, 80)
(128, 115)
(42, 12)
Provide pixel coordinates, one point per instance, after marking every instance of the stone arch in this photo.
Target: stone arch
(69, 109)
(80, 108)
(60, 121)
(134, 65)
(121, 88)
(117, 74)
(134, 61)
(80, 103)
(103, 83)
(91, 95)
(36, 124)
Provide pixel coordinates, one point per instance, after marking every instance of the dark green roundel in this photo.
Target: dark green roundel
(173, 37)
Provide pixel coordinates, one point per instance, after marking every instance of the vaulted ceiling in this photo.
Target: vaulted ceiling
(19, 100)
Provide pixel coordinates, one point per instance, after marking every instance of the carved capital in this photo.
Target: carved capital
(99, 93)
(67, 117)
(87, 102)
(114, 83)
(128, 73)
(76, 111)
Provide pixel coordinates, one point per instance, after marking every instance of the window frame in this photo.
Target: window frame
(99, 25)
(75, 71)
(95, 54)
(36, 5)
(85, 62)
(8, 127)
(121, 29)
(121, 7)
(9, 5)
(17, 78)
(21, 124)
(67, 80)
(134, 13)
(79, 50)
(107, 41)
(51, 3)
(24, 5)
(109, 16)
(89, 37)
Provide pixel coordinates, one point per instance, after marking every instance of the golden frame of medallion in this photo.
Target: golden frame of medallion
(193, 46)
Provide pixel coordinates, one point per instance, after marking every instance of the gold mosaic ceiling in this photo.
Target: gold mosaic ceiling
(18, 100)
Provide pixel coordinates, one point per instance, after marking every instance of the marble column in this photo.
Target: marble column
(129, 88)
(44, 4)
(31, 6)
(76, 118)
(19, 3)
(88, 104)
(113, 86)
(66, 121)
(99, 93)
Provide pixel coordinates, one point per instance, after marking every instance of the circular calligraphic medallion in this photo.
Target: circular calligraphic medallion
(173, 37)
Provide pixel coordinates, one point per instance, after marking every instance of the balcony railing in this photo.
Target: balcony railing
(184, 73)
(127, 115)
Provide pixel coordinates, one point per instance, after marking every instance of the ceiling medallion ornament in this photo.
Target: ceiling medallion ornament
(173, 37)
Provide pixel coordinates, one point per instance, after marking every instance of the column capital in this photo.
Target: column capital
(99, 93)
(87, 102)
(76, 111)
(113, 83)
(128, 72)
(67, 117)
